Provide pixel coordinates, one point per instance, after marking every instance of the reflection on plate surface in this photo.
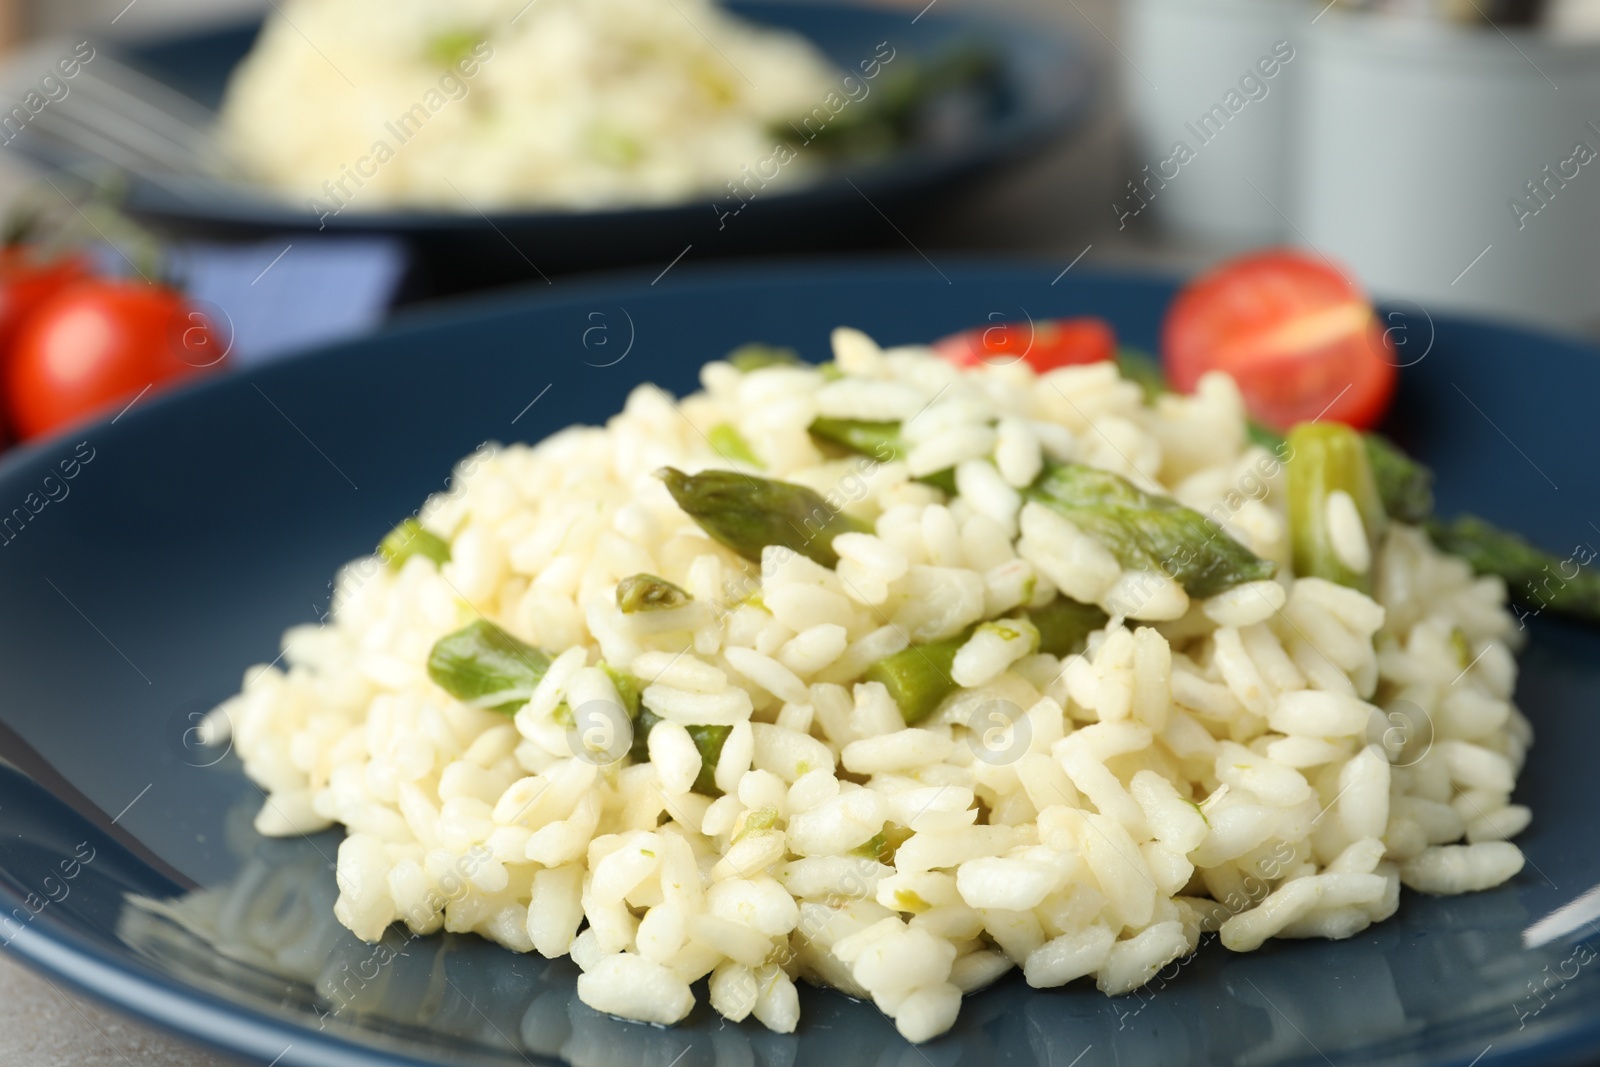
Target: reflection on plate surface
(206, 524)
(270, 935)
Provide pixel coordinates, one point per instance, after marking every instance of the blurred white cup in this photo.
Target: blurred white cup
(1447, 165)
(1215, 77)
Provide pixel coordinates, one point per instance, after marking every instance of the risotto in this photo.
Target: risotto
(894, 676)
(494, 103)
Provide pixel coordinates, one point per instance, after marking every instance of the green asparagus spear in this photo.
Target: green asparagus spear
(450, 47)
(918, 677)
(410, 539)
(646, 592)
(1148, 532)
(1404, 485)
(730, 444)
(747, 513)
(944, 481)
(627, 687)
(1063, 624)
(755, 356)
(878, 439)
(482, 665)
(758, 821)
(882, 845)
(1326, 457)
(891, 114)
(1536, 579)
(1267, 438)
(639, 751)
(708, 740)
(1144, 370)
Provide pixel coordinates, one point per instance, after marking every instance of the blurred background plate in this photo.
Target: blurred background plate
(1046, 82)
(204, 522)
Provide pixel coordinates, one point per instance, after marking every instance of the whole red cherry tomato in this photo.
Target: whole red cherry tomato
(29, 277)
(98, 344)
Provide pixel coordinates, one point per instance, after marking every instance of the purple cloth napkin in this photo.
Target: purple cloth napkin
(283, 296)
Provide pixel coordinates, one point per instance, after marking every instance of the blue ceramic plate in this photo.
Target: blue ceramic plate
(1045, 86)
(200, 524)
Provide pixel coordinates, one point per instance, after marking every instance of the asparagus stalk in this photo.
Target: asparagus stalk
(890, 116)
(1327, 457)
(1269, 439)
(410, 539)
(731, 445)
(482, 665)
(1142, 530)
(879, 439)
(708, 740)
(1536, 579)
(1148, 532)
(646, 592)
(627, 687)
(918, 677)
(1405, 485)
(748, 513)
(882, 845)
(755, 356)
(1064, 624)
(1144, 370)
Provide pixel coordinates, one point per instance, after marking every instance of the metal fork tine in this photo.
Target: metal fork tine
(82, 123)
(123, 116)
(67, 131)
(79, 141)
(147, 97)
(121, 127)
(156, 117)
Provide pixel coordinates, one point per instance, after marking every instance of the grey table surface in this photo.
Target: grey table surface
(1056, 208)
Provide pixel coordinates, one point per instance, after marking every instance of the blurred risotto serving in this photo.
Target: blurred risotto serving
(568, 103)
(894, 674)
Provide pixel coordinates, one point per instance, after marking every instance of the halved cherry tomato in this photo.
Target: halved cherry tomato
(100, 343)
(1043, 345)
(1298, 337)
